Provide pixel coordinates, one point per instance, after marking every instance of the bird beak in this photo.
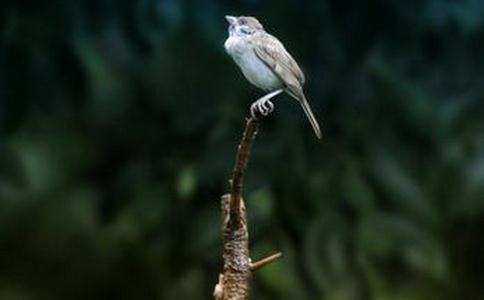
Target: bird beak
(231, 19)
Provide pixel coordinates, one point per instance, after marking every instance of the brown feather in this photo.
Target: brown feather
(251, 22)
(272, 52)
(274, 55)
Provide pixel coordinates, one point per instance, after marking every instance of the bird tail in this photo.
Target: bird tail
(310, 116)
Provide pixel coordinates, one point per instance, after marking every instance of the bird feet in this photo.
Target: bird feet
(261, 106)
(264, 105)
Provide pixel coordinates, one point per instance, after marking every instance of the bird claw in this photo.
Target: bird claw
(262, 106)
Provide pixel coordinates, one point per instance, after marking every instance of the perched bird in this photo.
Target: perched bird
(266, 64)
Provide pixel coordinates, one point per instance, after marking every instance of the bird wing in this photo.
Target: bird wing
(272, 52)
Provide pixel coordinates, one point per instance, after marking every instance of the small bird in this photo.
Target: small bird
(266, 64)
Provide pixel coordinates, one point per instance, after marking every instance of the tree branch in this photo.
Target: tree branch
(234, 282)
(238, 173)
(265, 261)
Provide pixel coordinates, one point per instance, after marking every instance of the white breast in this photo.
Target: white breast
(252, 67)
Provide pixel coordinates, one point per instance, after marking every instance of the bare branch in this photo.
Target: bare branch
(238, 173)
(234, 282)
(265, 261)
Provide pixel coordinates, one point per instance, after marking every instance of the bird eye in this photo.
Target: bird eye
(245, 30)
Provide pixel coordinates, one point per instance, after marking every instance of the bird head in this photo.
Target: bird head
(243, 26)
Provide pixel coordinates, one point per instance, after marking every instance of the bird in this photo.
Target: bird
(267, 64)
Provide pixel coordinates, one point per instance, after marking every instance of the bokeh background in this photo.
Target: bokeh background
(120, 120)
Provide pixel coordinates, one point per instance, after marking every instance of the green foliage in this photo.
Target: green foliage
(119, 122)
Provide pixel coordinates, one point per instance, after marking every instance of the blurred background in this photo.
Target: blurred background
(120, 120)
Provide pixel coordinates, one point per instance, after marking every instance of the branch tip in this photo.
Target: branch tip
(265, 261)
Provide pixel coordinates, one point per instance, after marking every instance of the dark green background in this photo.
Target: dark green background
(120, 119)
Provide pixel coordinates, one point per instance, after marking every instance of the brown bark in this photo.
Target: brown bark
(234, 282)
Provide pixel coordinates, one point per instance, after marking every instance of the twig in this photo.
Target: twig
(241, 160)
(265, 261)
(234, 282)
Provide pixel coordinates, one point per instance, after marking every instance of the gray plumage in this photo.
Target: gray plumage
(265, 62)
